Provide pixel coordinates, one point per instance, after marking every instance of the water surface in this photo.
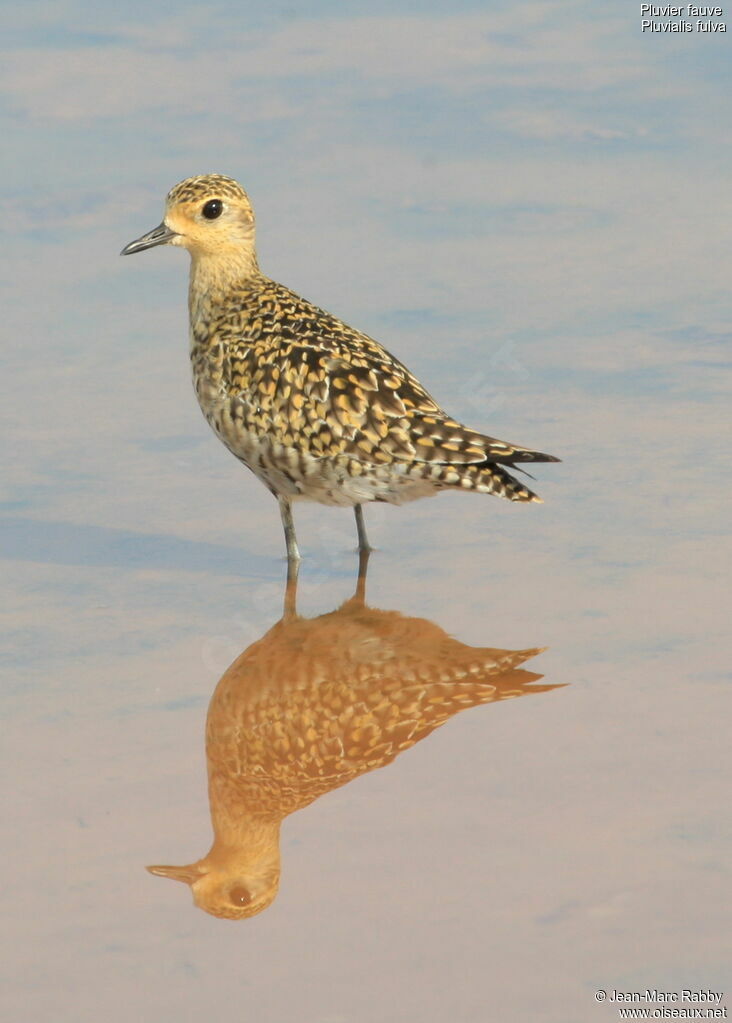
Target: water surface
(530, 207)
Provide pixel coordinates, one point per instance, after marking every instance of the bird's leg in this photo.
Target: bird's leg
(293, 554)
(363, 564)
(363, 540)
(290, 608)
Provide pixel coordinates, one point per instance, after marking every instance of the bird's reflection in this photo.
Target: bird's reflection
(313, 704)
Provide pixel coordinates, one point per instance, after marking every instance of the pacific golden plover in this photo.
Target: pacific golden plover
(317, 410)
(312, 705)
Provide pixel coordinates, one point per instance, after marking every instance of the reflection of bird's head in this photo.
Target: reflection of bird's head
(227, 887)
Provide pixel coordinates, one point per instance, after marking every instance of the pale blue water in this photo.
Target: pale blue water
(529, 206)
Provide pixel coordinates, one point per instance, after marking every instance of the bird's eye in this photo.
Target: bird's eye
(240, 896)
(213, 209)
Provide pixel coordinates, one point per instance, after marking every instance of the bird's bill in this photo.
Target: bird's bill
(186, 874)
(159, 235)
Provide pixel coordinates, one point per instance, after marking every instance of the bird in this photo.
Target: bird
(309, 707)
(317, 410)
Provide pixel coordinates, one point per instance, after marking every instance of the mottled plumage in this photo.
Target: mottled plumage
(317, 410)
(309, 707)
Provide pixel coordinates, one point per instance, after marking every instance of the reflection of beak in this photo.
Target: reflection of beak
(187, 874)
(159, 235)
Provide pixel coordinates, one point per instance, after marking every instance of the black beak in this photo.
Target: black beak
(159, 235)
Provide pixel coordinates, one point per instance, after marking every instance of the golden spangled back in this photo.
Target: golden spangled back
(288, 387)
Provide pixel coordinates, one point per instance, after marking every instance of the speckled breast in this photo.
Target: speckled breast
(286, 469)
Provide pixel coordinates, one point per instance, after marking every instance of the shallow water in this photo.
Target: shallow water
(529, 208)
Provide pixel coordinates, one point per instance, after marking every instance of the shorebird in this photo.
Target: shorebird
(317, 410)
(313, 704)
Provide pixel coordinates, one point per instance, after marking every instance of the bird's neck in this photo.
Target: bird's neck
(238, 832)
(214, 277)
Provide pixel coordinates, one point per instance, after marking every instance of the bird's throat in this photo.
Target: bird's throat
(220, 274)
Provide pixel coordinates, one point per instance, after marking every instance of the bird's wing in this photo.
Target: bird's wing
(326, 388)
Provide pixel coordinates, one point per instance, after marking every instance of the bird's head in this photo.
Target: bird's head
(210, 215)
(228, 889)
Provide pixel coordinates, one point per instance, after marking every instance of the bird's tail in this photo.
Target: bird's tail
(452, 455)
(508, 454)
(491, 478)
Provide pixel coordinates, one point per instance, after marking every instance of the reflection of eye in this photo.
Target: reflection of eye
(239, 895)
(213, 209)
